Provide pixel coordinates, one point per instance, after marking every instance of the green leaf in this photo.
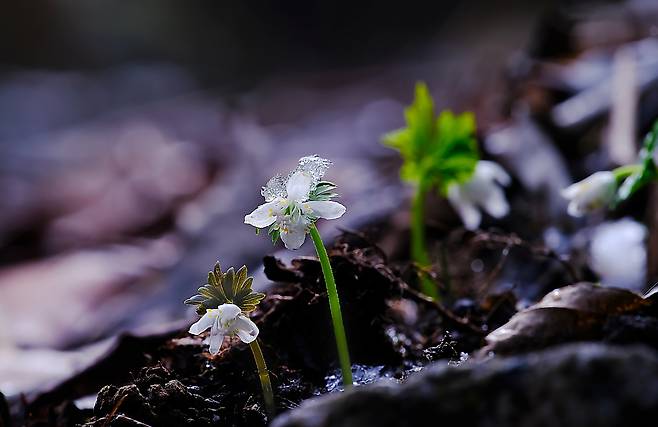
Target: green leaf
(647, 170)
(230, 287)
(436, 151)
(323, 191)
(274, 233)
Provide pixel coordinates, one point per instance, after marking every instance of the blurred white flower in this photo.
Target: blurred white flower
(482, 191)
(227, 319)
(618, 253)
(292, 204)
(592, 193)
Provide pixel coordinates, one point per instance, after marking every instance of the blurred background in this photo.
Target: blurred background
(135, 136)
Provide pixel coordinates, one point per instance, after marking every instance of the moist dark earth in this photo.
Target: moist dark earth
(394, 331)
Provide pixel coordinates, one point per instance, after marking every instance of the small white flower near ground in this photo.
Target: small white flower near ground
(225, 320)
(618, 253)
(592, 193)
(484, 190)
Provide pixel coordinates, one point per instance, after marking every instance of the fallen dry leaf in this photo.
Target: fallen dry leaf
(572, 313)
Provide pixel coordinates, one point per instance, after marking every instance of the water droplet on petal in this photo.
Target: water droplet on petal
(315, 166)
(275, 187)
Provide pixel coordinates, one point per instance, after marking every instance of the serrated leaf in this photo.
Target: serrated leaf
(227, 285)
(195, 300)
(323, 191)
(246, 284)
(240, 278)
(436, 151)
(230, 287)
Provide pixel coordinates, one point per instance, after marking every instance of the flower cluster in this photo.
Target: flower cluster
(295, 202)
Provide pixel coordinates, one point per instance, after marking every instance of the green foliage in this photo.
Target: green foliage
(646, 172)
(231, 287)
(324, 191)
(274, 233)
(439, 151)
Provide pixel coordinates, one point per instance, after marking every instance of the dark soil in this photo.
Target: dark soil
(392, 329)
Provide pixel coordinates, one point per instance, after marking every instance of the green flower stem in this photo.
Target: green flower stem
(622, 172)
(334, 307)
(418, 248)
(264, 375)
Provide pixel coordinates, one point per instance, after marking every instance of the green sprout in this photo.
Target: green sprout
(437, 153)
(224, 304)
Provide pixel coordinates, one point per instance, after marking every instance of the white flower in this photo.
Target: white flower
(227, 319)
(483, 190)
(592, 193)
(290, 208)
(618, 253)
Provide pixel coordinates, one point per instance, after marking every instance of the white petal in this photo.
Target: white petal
(245, 329)
(495, 203)
(467, 211)
(264, 215)
(216, 337)
(592, 193)
(293, 238)
(202, 324)
(299, 185)
(571, 191)
(574, 209)
(227, 313)
(326, 209)
(492, 171)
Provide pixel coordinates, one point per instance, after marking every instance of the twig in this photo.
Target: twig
(458, 321)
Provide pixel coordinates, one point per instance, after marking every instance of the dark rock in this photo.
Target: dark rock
(577, 312)
(574, 385)
(628, 329)
(4, 411)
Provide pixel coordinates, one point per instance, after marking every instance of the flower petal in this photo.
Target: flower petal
(264, 215)
(467, 211)
(495, 203)
(592, 193)
(574, 209)
(492, 171)
(326, 209)
(245, 329)
(299, 186)
(571, 191)
(227, 313)
(216, 337)
(202, 324)
(293, 238)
